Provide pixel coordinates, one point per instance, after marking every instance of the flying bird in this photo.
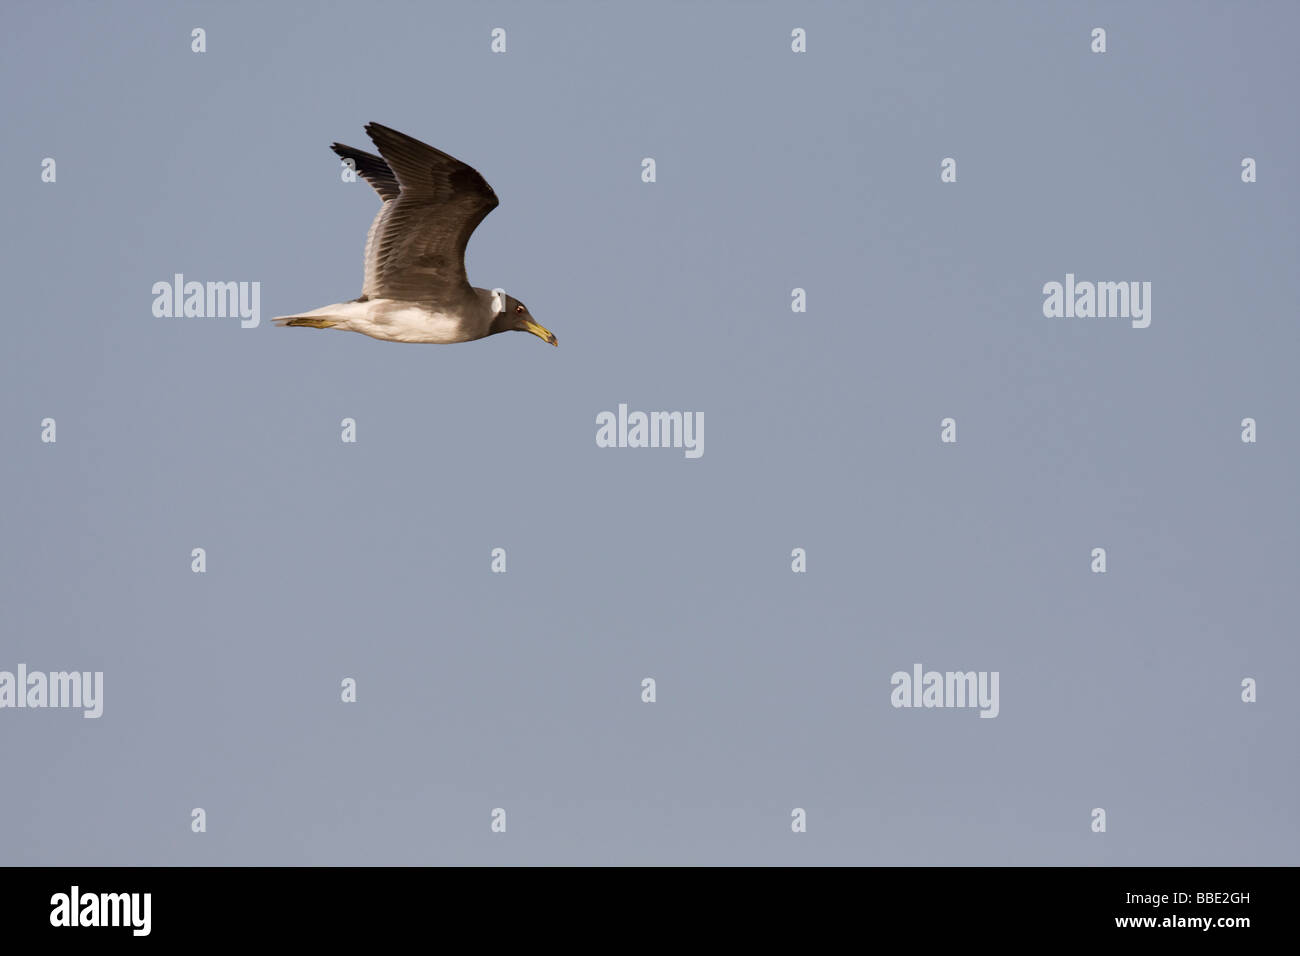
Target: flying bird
(415, 287)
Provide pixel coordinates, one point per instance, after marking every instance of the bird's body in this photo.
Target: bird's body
(395, 320)
(415, 287)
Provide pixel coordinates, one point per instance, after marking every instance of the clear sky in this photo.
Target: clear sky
(774, 171)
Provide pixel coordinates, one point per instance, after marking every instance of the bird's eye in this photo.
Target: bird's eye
(519, 310)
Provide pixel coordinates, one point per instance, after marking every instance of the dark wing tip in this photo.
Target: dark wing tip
(371, 168)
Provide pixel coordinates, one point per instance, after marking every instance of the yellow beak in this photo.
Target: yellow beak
(546, 335)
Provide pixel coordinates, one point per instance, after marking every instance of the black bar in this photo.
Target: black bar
(199, 905)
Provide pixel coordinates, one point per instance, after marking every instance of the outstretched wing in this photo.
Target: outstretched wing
(375, 171)
(416, 251)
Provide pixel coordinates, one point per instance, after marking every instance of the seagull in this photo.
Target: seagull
(415, 287)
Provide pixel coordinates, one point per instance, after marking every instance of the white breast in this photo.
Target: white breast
(404, 322)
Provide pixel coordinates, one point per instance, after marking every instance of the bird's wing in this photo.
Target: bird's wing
(417, 249)
(375, 171)
(372, 169)
(370, 279)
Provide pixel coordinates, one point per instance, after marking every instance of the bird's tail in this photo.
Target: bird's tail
(311, 322)
(325, 318)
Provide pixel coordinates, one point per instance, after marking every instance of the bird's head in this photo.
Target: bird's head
(515, 317)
